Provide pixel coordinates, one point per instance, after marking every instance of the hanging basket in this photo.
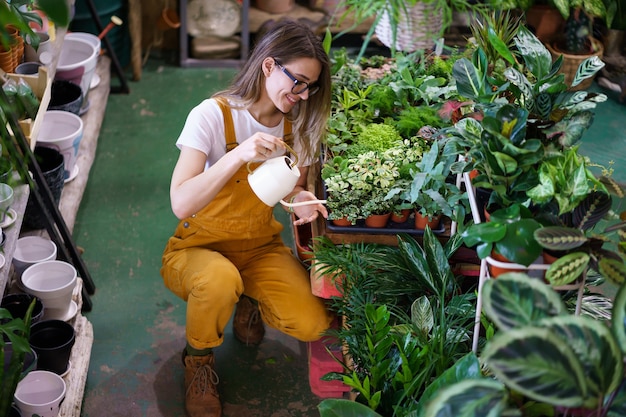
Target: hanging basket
(417, 29)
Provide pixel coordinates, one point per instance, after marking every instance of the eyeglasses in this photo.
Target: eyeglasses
(299, 87)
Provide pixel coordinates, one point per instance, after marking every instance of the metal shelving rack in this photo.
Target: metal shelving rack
(189, 62)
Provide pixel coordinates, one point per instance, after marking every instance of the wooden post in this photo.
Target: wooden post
(134, 25)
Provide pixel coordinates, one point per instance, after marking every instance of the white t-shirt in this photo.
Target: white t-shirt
(204, 130)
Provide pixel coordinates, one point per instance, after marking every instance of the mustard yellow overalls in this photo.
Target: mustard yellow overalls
(233, 247)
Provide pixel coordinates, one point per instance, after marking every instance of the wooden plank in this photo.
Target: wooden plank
(76, 378)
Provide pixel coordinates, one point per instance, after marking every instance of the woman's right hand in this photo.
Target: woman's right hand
(260, 147)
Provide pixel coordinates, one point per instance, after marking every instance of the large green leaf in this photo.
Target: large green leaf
(539, 364)
(560, 238)
(597, 350)
(465, 368)
(515, 299)
(618, 318)
(422, 315)
(333, 407)
(588, 68)
(536, 56)
(519, 245)
(470, 398)
(613, 270)
(567, 268)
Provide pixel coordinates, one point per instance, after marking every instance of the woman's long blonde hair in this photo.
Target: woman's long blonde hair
(286, 41)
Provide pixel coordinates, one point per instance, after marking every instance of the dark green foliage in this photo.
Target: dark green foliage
(407, 321)
(412, 119)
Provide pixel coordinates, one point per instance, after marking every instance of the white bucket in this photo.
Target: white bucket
(40, 393)
(63, 131)
(77, 63)
(53, 283)
(30, 250)
(89, 37)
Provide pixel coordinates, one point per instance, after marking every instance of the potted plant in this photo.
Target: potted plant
(344, 201)
(509, 233)
(16, 331)
(17, 15)
(579, 360)
(398, 21)
(578, 42)
(406, 322)
(614, 37)
(589, 236)
(431, 192)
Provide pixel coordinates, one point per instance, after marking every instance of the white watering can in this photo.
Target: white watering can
(275, 178)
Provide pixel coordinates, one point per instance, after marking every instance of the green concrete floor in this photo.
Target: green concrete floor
(123, 223)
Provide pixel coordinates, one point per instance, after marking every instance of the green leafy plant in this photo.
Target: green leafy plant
(360, 11)
(20, 13)
(592, 236)
(406, 320)
(17, 332)
(431, 192)
(579, 15)
(509, 232)
(545, 361)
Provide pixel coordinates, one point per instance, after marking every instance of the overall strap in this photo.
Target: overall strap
(229, 129)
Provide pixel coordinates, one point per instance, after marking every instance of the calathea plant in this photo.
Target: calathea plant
(545, 361)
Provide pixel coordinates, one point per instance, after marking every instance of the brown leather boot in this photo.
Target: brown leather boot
(247, 324)
(201, 397)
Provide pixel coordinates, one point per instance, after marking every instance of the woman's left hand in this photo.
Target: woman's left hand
(308, 213)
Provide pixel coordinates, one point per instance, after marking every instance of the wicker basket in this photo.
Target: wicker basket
(572, 62)
(418, 29)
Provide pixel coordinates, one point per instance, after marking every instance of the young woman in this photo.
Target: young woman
(227, 250)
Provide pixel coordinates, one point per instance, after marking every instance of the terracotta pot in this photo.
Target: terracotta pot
(168, 19)
(545, 21)
(343, 222)
(377, 220)
(496, 271)
(401, 217)
(422, 221)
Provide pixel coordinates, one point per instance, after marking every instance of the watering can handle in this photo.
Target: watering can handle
(302, 203)
(295, 162)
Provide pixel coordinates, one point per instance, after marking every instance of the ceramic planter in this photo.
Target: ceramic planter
(40, 393)
(30, 250)
(53, 282)
(52, 340)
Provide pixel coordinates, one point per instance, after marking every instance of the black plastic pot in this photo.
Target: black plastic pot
(30, 359)
(52, 166)
(65, 95)
(18, 304)
(52, 340)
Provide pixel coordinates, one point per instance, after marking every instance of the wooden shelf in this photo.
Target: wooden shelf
(68, 206)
